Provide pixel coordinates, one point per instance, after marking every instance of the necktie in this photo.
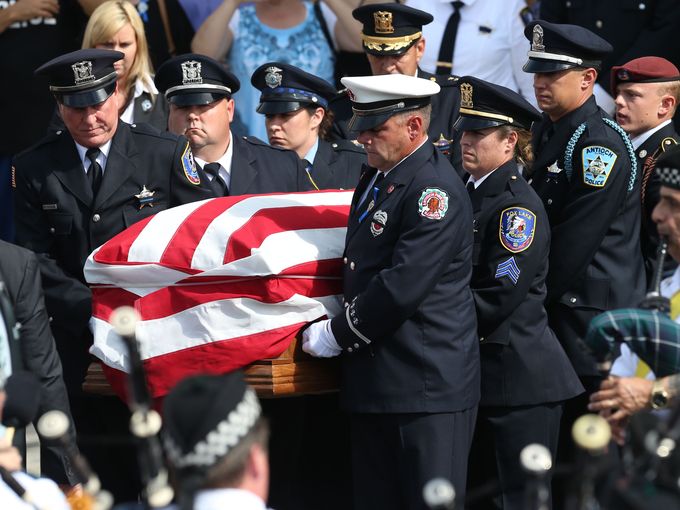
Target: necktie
(372, 195)
(94, 173)
(218, 183)
(444, 64)
(470, 187)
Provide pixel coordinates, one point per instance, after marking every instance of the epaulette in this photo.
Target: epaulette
(347, 145)
(253, 140)
(445, 80)
(51, 137)
(340, 96)
(147, 129)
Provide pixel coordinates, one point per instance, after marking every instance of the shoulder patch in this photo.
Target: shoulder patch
(189, 166)
(433, 203)
(597, 162)
(516, 229)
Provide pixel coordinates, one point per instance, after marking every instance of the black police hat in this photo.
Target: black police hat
(390, 29)
(286, 88)
(193, 79)
(555, 47)
(83, 77)
(484, 105)
(205, 416)
(668, 167)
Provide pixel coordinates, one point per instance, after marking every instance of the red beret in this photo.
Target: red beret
(644, 70)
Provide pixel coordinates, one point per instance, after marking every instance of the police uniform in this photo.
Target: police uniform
(256, 167)
(60, 218)
(286, 88)
(585, 173)
(410, 366)
(526, 374)
(649, 146)
(391, 29)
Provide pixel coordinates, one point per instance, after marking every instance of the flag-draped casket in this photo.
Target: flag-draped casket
(218, 284)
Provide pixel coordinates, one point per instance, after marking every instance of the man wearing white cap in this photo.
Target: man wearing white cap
(410, 359)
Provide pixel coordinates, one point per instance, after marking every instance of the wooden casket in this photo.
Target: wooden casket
(292, 373)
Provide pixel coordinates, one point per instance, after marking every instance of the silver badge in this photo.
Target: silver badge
(378, 223)
(146, 105)
(82, 72)
(554, 169)
(273, 77)
(145, 197)
(191, 72)
(537, 39)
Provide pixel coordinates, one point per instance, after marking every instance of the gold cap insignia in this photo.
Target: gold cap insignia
(623, 75)
(82, 72)
(383, 22)
(191, 72)
(466, 95)
(273, 77)
(537, 39)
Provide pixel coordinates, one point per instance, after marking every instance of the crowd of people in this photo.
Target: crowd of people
(516, 184)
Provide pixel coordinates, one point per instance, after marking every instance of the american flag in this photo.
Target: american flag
(218, 284)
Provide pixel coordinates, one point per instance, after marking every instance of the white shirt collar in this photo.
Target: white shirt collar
(640, 139)
(312, 152)
(140, 88)
(219, 499)
(224, 161)
(479, 181)
(101, 159)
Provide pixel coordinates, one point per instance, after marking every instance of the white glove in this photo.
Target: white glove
(318, 340)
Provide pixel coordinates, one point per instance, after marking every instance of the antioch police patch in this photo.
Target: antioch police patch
(433, 203)
(597, 162)
(189, 166)
(517, 227)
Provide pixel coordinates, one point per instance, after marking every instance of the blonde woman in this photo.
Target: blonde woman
(116, 25)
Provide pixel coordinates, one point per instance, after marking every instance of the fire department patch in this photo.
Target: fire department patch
(433, 203)
(189, 166)
(516, 229)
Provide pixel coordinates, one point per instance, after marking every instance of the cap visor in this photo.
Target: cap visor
(274, 107)
(87, 98)
(546, 66)
(195, 98)
(465, 123)
(360, 123)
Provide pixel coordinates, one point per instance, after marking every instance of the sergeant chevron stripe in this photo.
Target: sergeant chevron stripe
(508, 268)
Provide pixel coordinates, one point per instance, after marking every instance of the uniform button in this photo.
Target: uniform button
(643, 153)
(344, 261)
(568, 4)
(52, 231)
(96, 218)
(59, 132)
(356, 346)
(349, 349)
(346, 304)
(572, 300)
(598, 23)
(352, 266)
(481, 338)
(642, 7)
(334, 145)
(549, 201)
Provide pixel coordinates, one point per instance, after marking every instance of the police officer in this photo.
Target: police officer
(393, 42)
(78, 188)
(526, 375)
(199, 91)
(410, 359)
(646, 92)
(295, 105)
(585, 174)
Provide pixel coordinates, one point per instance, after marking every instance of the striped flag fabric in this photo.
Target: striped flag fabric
(218, 284)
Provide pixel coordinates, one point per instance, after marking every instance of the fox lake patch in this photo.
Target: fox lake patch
(597, 162)
(433, 203)
(516, 229)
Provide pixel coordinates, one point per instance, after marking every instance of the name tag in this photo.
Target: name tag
(49, 207)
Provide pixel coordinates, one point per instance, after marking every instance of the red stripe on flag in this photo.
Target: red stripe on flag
(275, 220)
(106, 299)
(116, 249)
